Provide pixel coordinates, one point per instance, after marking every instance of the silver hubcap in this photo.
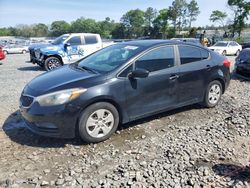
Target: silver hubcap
(214, 94)
(100, 123)
(53, 63)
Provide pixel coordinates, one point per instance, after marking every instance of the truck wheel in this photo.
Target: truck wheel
(98, 122)
(52, 63)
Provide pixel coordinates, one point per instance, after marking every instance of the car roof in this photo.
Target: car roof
(151, 43)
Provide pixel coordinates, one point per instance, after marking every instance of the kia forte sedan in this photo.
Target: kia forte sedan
(122, 83)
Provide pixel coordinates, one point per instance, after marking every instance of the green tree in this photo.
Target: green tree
(133, 21)
(25, 30)
(82, 25)
(241, 13)
(193, 12)
(178, 14)
(106, 27)
(119, 31)
(219, 17)
(161, 25)
(40, 30)
(59, 27)
(149, 16)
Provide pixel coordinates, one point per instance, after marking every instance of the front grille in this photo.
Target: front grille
(26, 101)
(32, 54)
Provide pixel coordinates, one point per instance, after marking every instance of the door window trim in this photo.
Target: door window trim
(179, 57)
(132, 61)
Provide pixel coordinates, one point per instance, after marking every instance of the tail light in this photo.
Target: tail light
(226, 63)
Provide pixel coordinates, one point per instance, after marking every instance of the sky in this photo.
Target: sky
(14, 12)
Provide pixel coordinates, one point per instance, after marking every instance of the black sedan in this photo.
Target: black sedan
(242, 64)
(122, 83)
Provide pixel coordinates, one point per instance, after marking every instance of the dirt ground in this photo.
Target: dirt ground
(188, 147)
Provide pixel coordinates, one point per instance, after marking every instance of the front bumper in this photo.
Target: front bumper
(59, 121)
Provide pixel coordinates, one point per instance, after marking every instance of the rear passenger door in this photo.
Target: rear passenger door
(92, 44)
(159, 90)
(195, 67)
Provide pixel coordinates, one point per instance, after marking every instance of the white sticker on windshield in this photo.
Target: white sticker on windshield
(131, 47)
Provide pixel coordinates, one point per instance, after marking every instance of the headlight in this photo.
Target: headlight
(59, 97)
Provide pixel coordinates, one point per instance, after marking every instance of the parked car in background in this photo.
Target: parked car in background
(226, 48)
(15, 49)
(190, 40)
(2, 55)
(67, 48)
(242, 64)
(122, 83)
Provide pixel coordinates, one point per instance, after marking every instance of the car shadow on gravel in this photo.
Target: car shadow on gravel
(31, 68)
(14, 128)
(234, 172)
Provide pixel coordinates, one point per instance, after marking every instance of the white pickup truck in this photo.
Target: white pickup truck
(67, 48)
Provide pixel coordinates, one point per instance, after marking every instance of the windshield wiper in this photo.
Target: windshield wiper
(87, 69)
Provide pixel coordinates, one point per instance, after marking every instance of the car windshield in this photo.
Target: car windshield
(222, 44)
(110, 58)
(60, 39)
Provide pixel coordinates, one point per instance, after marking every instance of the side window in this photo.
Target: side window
(74, 41)
(157, 59)
(90, 39)
(204, 54)
(126, 71)
(189, 54)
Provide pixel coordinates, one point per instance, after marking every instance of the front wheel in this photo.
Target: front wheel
(24, 52)
(52, 63)
(98, 122)
(224, 53)
(213, 94)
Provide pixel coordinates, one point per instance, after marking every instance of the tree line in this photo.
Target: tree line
(152, 23)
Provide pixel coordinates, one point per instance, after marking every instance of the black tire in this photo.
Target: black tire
(24, 52)
(224, 53)
(92, 109)
(5, 52)
(207, 99)
(51, 63)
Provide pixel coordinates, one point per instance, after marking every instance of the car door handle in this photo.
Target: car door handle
(208, 67)
(173, 77)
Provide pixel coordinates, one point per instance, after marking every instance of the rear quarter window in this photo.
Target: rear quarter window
(90, 39)
(190, 54)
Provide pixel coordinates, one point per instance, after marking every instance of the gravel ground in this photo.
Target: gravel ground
(187, 147)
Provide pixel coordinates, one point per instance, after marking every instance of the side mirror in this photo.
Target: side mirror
(139, 73)
(66, 45)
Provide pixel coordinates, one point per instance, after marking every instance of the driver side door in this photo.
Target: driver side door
(74, 51)
(156, 92)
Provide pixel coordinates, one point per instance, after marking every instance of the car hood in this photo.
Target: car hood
(65, 77)
(51, 48)
(40, 45)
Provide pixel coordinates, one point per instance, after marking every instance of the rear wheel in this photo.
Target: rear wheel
(98, 122)
(213, 94)
(52, 63)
